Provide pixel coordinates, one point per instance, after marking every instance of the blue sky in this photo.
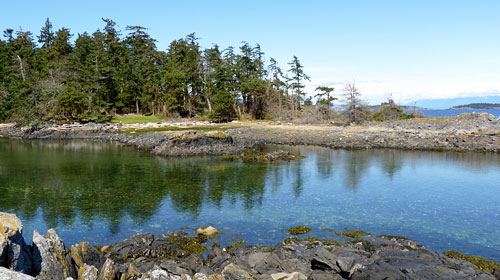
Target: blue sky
(409, 50)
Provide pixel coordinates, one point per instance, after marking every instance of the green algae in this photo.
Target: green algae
(353, 235)
(258, 156)
(298, 230)
(478, 261)
(239, 244)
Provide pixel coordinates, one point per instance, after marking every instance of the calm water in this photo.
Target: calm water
(456, 112)
(103, 193)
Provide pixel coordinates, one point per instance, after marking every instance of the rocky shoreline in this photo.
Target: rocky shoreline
(466, 132)
(182, 256)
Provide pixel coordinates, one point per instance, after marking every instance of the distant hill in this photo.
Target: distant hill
(478, 106)
(451, 102)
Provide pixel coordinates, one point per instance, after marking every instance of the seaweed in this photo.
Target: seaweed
(298, 230)
(478, 261)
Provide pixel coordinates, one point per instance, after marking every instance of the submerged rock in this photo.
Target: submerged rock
(14, 254)
(209, 231)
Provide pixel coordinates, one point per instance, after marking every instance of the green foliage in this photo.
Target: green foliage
(297, 79)
(134, 118)
(106, 73)
(390, 111)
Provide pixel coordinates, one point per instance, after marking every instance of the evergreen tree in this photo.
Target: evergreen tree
(141, 67)
(297, 79)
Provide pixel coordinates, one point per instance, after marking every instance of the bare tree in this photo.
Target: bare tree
(353, 102)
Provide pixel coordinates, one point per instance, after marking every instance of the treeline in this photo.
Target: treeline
(477, 106)
(51, 77)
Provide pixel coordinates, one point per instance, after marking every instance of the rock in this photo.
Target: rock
(207, 231)
(87, 272)
(200, 276)
(323, 275)
(324, 260)
(7, 274)
(232, 272)
(14, 254)
(134, 246)
(255, 258)
(270, 263)
(174, 268)
(157, 274)
(84, 253)
(51, 260)
(288, 276)
(108, 271)
(418, 264)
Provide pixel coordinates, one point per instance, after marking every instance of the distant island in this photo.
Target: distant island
(478, 106)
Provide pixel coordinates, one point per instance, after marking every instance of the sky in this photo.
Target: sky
(405, 50)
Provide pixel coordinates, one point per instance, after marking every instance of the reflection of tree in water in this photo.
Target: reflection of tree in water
(98, 181)
(110, 182)
(191, 182)
(325, 159)
(391, 160)
(298, 185)
(356, 165)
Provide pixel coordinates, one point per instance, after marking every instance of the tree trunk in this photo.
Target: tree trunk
(209, 105)
(137, 106)
(22, 68)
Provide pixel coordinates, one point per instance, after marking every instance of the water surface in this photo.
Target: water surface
(103, 193)
(454, 112)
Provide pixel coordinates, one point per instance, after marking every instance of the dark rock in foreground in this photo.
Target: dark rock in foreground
(178, 256)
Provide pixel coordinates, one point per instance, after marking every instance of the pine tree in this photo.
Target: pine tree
(297, 79)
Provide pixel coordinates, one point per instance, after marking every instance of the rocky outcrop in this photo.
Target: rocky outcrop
(192, 144)
(179, 256)
(14, 254)
(50, 258)
(466, 132)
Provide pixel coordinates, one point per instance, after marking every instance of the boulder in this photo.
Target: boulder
(51, 260)
(7, 274)
(232, 272)
(207, 231)
(14, 254)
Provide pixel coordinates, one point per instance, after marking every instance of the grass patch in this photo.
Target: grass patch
(176, 128)
(134, 118)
